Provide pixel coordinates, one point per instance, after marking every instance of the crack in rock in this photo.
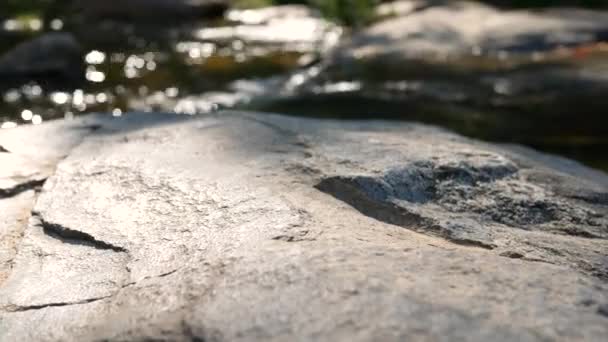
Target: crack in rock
(22, 308)
(35, 184)
(18, 308)
(70, 236)
(300, 236)
(162, 275)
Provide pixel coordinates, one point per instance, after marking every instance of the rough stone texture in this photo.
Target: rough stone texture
(244, 226)
(13, 219)
(31, 153)
(28, 156)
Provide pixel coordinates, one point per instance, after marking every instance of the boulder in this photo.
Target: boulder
(56, 53)
(243, 226)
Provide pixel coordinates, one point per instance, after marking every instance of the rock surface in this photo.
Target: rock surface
(28, 157)
(246, 226)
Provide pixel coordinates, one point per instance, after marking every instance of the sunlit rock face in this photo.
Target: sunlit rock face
(51, 53)
(28, 156)
(245, 226)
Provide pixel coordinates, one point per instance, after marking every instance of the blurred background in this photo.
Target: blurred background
(532, 72)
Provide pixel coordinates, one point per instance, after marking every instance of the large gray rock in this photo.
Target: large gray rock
(245, 226)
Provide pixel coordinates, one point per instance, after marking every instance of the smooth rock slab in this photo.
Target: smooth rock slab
(28, 156)
(13, 220)
(248, 226)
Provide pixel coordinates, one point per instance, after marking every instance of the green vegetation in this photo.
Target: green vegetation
(252, 3)
(348, 12)
(23, 7)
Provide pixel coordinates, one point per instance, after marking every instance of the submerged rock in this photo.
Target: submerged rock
(48, 54)
(248, 226)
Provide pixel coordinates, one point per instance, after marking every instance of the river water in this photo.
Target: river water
(247, 61)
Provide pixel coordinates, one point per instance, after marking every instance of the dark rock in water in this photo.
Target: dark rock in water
(151, 9)
(246, 226)
(48, 54)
